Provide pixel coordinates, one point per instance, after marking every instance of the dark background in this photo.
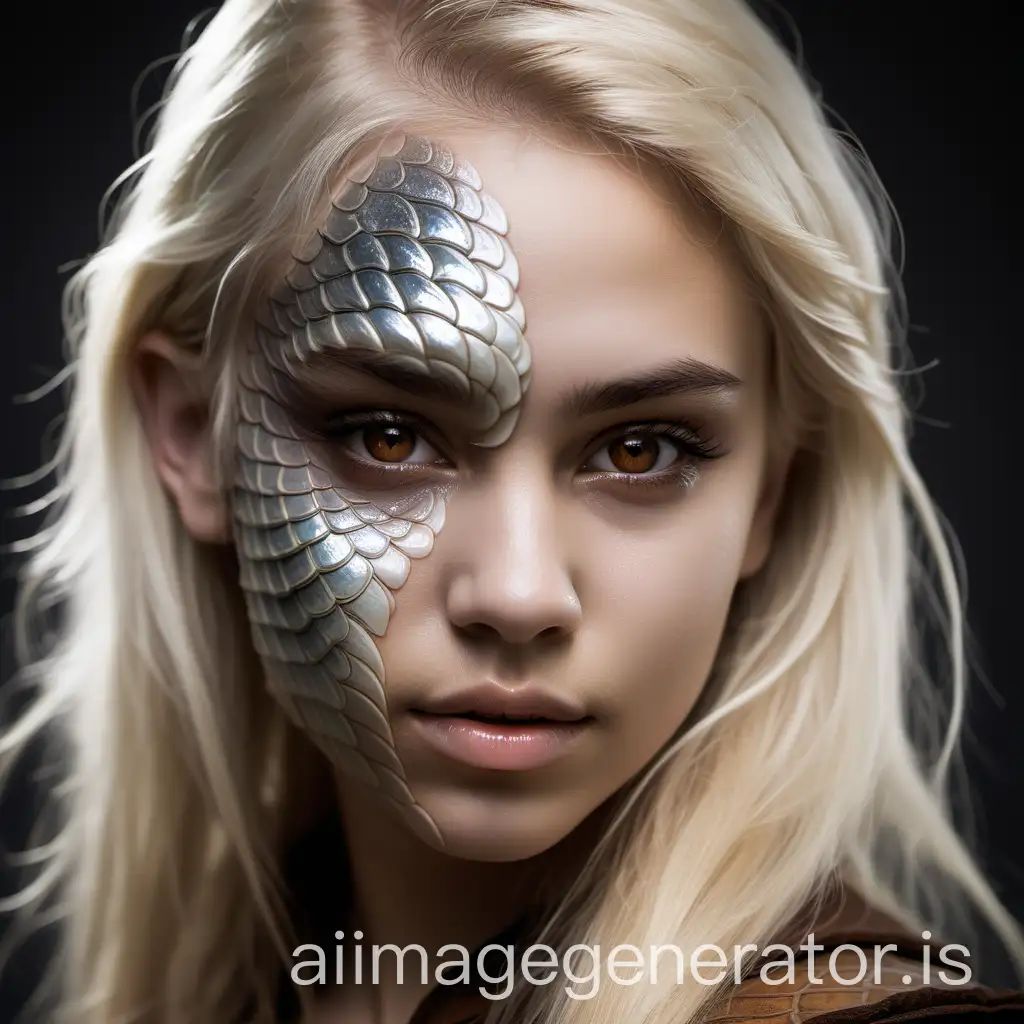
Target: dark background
(928, 91)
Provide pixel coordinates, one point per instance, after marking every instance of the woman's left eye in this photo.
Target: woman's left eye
(638, 454)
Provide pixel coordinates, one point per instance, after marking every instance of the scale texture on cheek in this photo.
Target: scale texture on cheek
(411, 267)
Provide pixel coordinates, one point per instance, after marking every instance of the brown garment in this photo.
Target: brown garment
(901, 995)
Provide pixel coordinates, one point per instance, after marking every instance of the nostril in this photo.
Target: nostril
(478, 632)
(486, 634)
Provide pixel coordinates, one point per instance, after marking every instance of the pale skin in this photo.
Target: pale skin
(594, 554)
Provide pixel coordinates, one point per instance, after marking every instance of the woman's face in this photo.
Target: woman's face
(591, 558)
(585, 565)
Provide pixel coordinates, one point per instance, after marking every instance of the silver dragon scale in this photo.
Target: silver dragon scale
(412, 265)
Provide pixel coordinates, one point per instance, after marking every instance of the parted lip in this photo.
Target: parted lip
(493, 701)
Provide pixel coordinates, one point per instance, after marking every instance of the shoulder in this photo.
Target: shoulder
(901, 990)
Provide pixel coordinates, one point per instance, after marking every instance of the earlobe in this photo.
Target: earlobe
(167, 383)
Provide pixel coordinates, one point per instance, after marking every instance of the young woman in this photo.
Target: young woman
(486, 521)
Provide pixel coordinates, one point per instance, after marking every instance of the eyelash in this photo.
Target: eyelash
(342, 428)
(691, 443)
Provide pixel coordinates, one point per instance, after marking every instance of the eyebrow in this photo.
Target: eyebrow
(424, 385)
(683, 376)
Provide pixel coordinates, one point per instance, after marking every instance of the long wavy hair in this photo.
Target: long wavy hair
(821, 750)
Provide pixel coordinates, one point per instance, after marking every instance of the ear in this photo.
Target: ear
(762, 528)
(168, 386)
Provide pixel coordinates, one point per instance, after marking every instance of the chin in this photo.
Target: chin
(500, 827)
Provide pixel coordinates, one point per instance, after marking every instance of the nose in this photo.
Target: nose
(511, 580)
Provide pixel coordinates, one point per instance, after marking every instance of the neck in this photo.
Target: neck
(403, 891)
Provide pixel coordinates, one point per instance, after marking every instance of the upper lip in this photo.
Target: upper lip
(493, 700)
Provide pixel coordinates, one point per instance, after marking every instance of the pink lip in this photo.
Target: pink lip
(525, 700)
(505, 746)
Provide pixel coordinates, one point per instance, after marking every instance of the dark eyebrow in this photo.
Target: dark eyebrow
(424, 385)
(684, 376)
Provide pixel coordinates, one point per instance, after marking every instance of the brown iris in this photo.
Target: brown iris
(389, 442)
(633, 454)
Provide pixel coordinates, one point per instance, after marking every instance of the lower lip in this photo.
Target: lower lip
(505, 746)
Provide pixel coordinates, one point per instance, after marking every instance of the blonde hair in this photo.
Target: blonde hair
(816, 755)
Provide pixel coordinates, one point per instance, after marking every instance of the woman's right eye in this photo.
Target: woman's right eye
(387, 443)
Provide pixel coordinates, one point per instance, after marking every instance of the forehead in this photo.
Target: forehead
(616, 273)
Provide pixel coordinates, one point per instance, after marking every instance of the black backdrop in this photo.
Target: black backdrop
(926, 88)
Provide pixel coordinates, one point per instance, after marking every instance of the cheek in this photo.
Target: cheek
(657, 614)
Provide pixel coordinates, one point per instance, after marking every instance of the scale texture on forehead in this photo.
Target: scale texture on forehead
(412, 266)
